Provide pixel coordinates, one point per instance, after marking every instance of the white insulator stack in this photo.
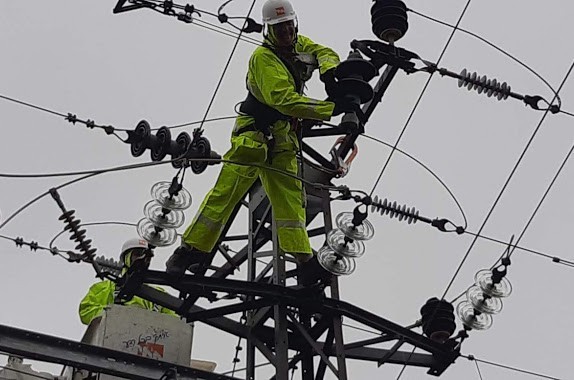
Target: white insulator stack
(483, 300)
(163, 215)
(344, 244)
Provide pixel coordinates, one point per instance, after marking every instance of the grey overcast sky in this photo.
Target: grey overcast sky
(76, 56)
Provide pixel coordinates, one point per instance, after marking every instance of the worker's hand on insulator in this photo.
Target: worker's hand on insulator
(331, 85)
(343, 106)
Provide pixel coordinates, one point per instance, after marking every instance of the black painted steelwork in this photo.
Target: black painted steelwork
(389, 20)
(33, 345)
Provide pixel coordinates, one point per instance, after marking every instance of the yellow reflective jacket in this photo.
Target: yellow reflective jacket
(269, 80)
(101, 294)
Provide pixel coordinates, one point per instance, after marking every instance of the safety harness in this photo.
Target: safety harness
(265, 116)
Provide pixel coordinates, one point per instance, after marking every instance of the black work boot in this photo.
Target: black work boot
(312, 273)
(184, 258)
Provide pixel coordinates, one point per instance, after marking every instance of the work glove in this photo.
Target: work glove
(331, 86)
(343, 106)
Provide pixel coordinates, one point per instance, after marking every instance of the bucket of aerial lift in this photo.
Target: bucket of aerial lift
(144, 333)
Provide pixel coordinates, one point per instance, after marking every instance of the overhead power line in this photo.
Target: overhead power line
(543, 197)
(487, 218)
(515, 369)
(506, 53)
(226, 67)
(408, 122)
(419, 99)
(427, 169)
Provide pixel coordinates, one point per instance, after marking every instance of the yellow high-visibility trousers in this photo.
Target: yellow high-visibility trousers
(285, 194)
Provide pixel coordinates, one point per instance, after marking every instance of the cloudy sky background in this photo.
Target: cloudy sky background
(76, 56)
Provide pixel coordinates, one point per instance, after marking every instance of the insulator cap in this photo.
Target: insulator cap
(438, 319)
(156, 236)
(485, 281)
(334, 263)
(364, 231)
(162, 217)
(344, 246)
(471, 318)
(139, 138)
(160, 192)
(389, 20)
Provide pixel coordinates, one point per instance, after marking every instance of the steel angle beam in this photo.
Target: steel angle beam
(36, 346)
(122, 7)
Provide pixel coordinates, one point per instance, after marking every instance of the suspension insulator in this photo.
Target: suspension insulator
(164, 213)
(483, 302)
(202, 149)
(438, 319)
(139, 138)
(363, 231)
(389, 20)
(472, 318)
(392, 209)
(490, 87)
(183, 142)
(163, 144)
(484, 280)
(344, 246)
(335, 263)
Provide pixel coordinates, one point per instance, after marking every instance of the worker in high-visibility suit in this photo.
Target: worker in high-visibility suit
(103, 293)
(264, 134)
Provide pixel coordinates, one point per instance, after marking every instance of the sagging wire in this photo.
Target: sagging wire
(544, 197)
(478, 370)
(407, 123)
(198, 122)
(70, 117)
(226, 32)
(406, 363)
(34, 246)
(226, 67)
(109, 129)
(473, 358)
(487, 218)
(89, 174)
(187, 18)
(521, 63)
(428, 170)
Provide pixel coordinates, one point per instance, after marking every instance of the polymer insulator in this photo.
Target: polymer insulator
(392, 209)
(473, 81)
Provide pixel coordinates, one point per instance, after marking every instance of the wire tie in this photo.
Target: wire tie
(19, 242)
(90, 124)
(108, 129)
(72, 118)
(33, 246)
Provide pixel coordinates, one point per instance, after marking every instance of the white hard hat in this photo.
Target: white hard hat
(131, 244)
(277, 11)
